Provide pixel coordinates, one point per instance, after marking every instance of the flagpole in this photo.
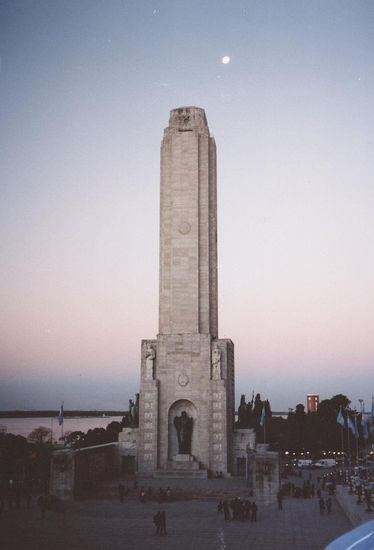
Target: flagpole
(348, 443)
(264, 429)
(356, 435)
(61, 421)
(342, 436)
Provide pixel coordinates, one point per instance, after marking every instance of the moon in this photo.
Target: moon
(226, 59)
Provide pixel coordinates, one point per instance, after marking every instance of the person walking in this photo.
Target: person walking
(27, 492)
(280, 500)
(248, 508)
(321, 506)
(163, 523)
(254, 511)
(42, 503)
(226, 510)
(121, 492)
(329, 505)
(157, 522)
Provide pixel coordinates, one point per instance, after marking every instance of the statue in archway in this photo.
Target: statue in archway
(183, 425)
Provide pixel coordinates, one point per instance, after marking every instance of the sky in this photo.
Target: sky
(85, 93)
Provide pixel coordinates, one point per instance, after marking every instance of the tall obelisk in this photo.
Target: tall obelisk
(188, 226)
(187, 368)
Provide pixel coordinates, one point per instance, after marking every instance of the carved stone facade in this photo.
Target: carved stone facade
(192, 370)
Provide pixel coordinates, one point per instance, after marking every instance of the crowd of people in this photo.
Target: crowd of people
(162, 495)
(16, 494)
(238, 509)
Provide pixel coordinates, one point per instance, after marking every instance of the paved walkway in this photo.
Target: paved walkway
(191, 525)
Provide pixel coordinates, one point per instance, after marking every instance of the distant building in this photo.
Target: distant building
(312, 402)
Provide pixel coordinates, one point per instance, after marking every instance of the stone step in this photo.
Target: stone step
(181, 474)
(193, 493)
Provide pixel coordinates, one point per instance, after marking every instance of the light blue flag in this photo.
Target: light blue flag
(60, 417)
(365, 431)
(351, 426)
(340, 419)
(262, 416)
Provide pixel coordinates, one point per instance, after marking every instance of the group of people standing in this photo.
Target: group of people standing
(309, 490)
(15, 492)
(238, 509)
(159, 520)
(325, 505)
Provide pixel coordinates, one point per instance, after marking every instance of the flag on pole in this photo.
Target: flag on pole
(372, 409)
(340, 419)
(365, 431)
(60, 417)
(351, 426)
(262, 415)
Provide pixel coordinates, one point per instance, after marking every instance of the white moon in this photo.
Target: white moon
(226, 59)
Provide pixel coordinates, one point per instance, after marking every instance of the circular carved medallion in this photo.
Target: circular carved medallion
(184, 228)
(183, 379)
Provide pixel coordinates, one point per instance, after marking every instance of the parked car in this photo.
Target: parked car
(325, 463)
(304, 463)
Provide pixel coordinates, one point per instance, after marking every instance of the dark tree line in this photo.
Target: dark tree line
(318, 431)
(22, 460)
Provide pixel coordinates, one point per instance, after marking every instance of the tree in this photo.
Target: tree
(113, 429)
(300, 410)
(96, 436)
(329, 408)
(75, 439)
(13, 455)
(40, 435)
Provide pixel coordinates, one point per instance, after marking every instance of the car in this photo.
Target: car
(325, 463)
(304, 463)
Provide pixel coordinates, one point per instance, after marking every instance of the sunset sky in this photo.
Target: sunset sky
(85, 93)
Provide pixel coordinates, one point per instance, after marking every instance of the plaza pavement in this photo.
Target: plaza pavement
(106, 524)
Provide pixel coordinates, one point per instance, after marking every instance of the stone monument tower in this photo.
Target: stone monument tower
(186, 413)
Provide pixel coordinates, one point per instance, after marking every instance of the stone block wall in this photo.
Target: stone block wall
(266, 474)
(184, 381)
(77, 473)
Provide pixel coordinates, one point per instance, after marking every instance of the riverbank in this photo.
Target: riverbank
(25, 425)
(52, 413)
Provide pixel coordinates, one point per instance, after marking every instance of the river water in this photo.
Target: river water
(24, 426)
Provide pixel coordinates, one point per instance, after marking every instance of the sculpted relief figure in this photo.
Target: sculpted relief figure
(136, 411)
(183, 425)
(150, 356)
(131, 412)
(216, 363)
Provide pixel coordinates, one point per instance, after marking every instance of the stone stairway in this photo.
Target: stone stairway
(181, 474)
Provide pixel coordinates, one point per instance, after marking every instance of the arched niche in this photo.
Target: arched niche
(176, 410)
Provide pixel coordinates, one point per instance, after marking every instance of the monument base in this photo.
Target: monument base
(185, 462)
(182, 466)
(180, 474)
